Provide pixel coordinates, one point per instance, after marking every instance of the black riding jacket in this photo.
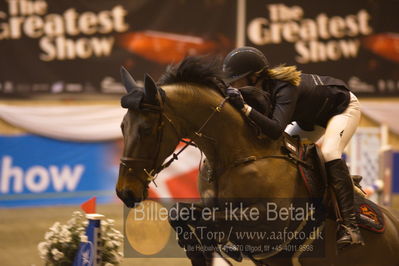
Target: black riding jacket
(313, 102)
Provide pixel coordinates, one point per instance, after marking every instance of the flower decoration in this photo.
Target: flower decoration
(62, 241)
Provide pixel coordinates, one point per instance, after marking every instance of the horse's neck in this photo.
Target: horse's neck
(227, 137)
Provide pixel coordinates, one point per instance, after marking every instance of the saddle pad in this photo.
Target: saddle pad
(369, 215)
(312, 177)
(312, 174)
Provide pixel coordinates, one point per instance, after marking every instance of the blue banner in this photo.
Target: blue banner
(36, 171)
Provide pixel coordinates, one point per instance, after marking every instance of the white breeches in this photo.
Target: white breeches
(340, 129)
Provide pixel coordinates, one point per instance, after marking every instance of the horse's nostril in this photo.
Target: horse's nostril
(128, 198)
(120, 194)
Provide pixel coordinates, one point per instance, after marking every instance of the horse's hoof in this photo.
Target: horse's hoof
(233, 252)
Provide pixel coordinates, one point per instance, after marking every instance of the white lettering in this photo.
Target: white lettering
(49, 50)
(26, 7)
(67, 178)
(15, 27)
(322, 21)
(317, 39)
(33, 26)
(349, 48)
(102, 46)
(315, 51)
(70, 17)
(271, 211)
(119, 13)
(37, 179)
(280, 12)
(83, 48)
(308, 31)
(337, 27)
(256, 32)
(364, 26)
(8, 172)
(353, 28)
(105, 21)
(54, 25)
(29, 18)
(291, 31)
(62, 48)
(87, 23)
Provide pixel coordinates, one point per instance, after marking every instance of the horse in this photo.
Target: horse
(188, 104)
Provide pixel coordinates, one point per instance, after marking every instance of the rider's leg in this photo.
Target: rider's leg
(314, 135)
(339, 131)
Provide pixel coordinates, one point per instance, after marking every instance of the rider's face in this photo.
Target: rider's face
(240, 83)
(244, 81)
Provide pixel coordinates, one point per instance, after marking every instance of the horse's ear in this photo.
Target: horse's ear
(127, 80)
(150, 89)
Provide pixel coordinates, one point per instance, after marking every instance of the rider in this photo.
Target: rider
(319, 108)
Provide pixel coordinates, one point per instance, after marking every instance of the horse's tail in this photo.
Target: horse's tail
(286, 73)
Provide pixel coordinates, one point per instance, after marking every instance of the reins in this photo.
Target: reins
(153, 172)
(287, 157)
(197, 133)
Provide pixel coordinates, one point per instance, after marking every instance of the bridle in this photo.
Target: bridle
(151, 169)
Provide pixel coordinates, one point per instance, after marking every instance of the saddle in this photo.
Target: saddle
(311, 167)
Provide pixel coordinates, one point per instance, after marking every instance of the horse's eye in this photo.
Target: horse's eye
(145, 131)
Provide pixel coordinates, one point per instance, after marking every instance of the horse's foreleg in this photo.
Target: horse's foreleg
(188, 233)
(188, 241)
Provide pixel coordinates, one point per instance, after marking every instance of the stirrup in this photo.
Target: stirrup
(350, 236)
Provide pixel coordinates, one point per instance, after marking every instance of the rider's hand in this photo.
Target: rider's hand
(235, 98)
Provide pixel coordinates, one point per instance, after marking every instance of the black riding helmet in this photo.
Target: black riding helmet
(243, 61)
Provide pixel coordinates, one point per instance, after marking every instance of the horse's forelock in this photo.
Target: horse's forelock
(133, 99)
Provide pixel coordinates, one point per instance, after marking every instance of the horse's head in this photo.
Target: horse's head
(148, 140)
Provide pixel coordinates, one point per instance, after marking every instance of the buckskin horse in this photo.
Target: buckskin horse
(186, 103)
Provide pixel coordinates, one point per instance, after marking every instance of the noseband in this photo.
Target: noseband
(150, 165)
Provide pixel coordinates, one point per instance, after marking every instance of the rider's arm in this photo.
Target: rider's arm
(285, 102)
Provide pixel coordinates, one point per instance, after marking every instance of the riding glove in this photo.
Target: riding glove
(235, 98)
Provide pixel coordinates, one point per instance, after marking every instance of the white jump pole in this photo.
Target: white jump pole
(386, 164)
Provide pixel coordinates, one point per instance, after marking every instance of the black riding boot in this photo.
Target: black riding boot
(348, 232)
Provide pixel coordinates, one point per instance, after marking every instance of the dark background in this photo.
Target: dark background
(214, 22)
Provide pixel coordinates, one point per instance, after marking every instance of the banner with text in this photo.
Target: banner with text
(60, 46)
(41, 171)
(351, 40)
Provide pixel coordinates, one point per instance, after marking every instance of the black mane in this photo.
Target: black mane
(201, 70)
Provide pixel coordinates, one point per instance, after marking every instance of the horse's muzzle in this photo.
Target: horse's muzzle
(128, 198)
